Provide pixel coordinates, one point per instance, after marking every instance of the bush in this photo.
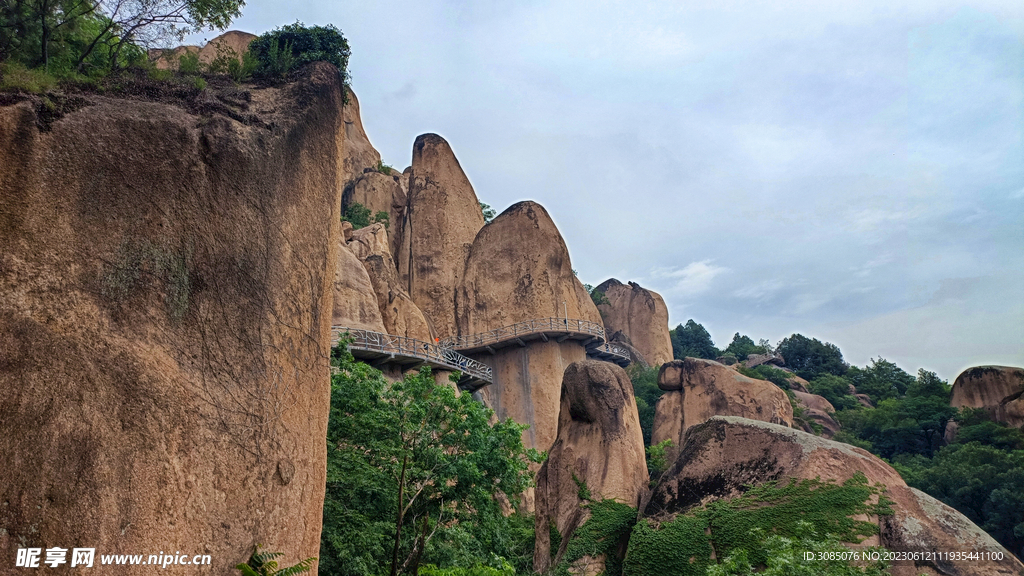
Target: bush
(292, 46)
(189, 63)
(17, 78)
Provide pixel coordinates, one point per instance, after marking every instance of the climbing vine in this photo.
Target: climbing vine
(684, 545)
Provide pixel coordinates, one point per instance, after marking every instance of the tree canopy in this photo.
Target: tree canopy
(692, 340)
(810, 358)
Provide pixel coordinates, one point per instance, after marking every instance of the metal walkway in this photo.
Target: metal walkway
(450, 353)
(589, 334)
(377, 347)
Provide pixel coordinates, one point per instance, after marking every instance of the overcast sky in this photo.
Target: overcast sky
(850, 171)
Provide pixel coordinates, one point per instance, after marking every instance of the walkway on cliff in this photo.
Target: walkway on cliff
(450, 353)
(589, 334)
(379, 348)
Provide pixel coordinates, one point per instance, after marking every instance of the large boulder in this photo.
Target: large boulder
(398, 312)
(698, 389)
(641, 315)
(519, 270)
(379, 192)
(998, 389)
(231, 44)
(165, 309)
(443, 218)
(359, 155)
(818, 410)
(724, 456)
(600, 446)
(354, 302)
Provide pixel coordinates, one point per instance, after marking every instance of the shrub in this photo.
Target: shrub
(358, 215)
(292, 46)
(383, 168)
(15, 77)
(264, 564)
(189, 63)
(383, 218)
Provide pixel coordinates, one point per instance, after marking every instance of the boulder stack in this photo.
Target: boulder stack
(641, 315)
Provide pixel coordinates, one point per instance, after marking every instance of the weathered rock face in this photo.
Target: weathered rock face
(398, 312)
(641, 315)
(163, 366)
(232, 43)
(999, 389)
(359, 154)
(759, 359)
(380, 193)
(599, 443)
(698, 389)
(443, 218)
(355, 305)
(818, 410)
(718, 458)
(518, 270)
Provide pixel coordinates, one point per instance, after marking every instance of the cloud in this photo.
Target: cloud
(691, 280)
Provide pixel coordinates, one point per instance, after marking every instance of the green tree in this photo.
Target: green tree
(881, 380)
(488, 212)
(694, 341)
(835, 389)
(412, 467)
(742, 346)
(294, 45)
(810, 358)
(645, 387)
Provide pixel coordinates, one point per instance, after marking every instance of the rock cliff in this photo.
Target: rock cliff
(442, 218)
(399, 313)
(641, 315)
(354, 304)
(358, 155)
(600, 446)
(518, 269)
(232, 43)
(998, 389)
(722, 457)
(165, 304)
(698, 389)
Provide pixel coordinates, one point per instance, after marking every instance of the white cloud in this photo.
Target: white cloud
(695, 278)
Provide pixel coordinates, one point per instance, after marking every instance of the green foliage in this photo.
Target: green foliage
(358, 215)
(383, 168)
(596, 295)
(835, 389)
(453, 467)
(770, 373)
(199, 83)
(188, 63)
(506, 569)
(743, 346)
(880, 381)
(241, 69)
(657, 462)
(985, 483)
(489, 214)
(292, 46)
(785, 557)
(645, 387)
(582, 492)
(609, 525)
(683, 546)
(383, 218)
(264, 564)
(810, 358)
(694, 341)
(15, 77)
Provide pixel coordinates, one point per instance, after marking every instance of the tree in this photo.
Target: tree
(882, 380)
(292, 46)
(488, 212)
(810, 358)
(694, 341)
(743, 346)
(411, 467)
(836, 390)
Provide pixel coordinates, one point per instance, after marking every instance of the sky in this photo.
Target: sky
(851, 171)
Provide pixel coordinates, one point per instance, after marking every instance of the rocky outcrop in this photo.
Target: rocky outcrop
(165, 303)
(698, 389)
(354, 304)
(641, 315)
(232, 44)
(519, 270)
(819, 410)
(754, 360)
(398, 312)
(443, 218)
(359, 155)
(998, 389)
(379, 193)
(722, 457)
(600, 445)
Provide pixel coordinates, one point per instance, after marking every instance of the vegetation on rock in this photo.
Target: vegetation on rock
(416, 474)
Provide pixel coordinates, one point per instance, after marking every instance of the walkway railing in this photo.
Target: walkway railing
(527, 328)
(615, 352)
(390, 345)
